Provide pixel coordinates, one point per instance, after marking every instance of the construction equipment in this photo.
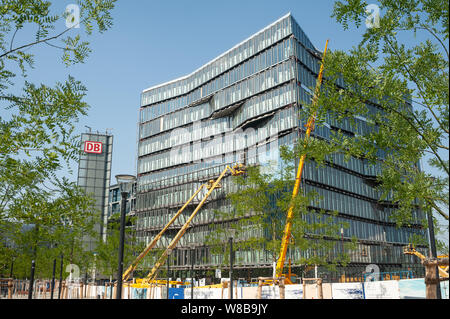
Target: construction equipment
(411, 250)
(140, 284)
(238, 169)
(288, 227)
(444, 268)
(155, 240)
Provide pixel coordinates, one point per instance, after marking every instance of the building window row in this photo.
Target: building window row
(254, 107)
(265, 80)
(265, 60)
(252, 86)
(235, 56)
(364, 230)
(363, 253)
(195, 171)
(340, 179)
(221, 144)
(178, 195)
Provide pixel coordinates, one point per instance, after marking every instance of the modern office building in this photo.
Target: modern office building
(239, 107)
(115, 198)
(94, 173)
(114, 206)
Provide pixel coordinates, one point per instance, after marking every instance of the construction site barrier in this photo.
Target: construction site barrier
(311, 288)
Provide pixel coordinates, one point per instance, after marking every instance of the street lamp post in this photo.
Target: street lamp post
(192, 248)
(230, 240)
(94, 271)
(53, 279)
(60, 277)
(168, 271)
(342, 247)
(125, 185)
(11, 269)
(30, 289)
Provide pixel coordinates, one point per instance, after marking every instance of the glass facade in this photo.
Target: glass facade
(94, 173)
(115, 198)
(244, 105)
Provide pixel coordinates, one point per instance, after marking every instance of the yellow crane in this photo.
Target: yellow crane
(238, 169)
(288, 227)
(155, 240)
(211, 185)
(411, 250)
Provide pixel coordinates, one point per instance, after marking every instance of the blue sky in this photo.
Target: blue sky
(156, 41)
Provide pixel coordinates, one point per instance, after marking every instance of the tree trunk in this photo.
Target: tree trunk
(259, 293)
(282, 288)
(320, 288)
(431, 279)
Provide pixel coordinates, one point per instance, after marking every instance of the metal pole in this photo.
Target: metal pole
(85, 284)
(60, 277)
(121, 244)
(342, 247)
(53, 279)
(168, 269)
(30, 289)
(157, 237)
(433, 250)
(231, 267)
(192, 273)
(290, 214)
(95, 270)
(211, 186)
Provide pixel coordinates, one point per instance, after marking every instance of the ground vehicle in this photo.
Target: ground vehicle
(236, 170)
(288, 226)
(411, 250)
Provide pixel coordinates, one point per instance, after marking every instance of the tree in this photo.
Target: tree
(258, 217)
(45, 227)
(441, 245)
(108, 251)
(396, 97)
(37, 139)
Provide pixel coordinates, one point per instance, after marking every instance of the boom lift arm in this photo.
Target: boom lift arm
(152, 244)
(309, 128)
(238, 169)
(411, 250)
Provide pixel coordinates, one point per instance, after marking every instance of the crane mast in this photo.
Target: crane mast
(309, 128)
(238, 169)
(411, 250)
(155, 240)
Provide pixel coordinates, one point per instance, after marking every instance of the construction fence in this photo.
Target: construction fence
(388, 289)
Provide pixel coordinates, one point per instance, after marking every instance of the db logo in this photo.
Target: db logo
(93, 147)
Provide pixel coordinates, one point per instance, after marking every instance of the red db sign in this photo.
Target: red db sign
(93, 147)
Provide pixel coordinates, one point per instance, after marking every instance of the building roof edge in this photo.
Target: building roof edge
(217, 58)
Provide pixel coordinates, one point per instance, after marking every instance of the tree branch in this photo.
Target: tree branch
(414, 80)
(58, 47)
(5, 196)
(436, 207)
(433, 150)
(12, 40)
(436, 37)
(38, 42)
